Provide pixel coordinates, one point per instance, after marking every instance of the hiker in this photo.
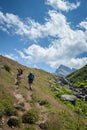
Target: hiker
(20, 72)
(30, 80)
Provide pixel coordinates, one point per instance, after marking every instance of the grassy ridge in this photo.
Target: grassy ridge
(79, 77)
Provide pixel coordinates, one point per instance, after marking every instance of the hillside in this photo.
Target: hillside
(79, 77)
(38, 109)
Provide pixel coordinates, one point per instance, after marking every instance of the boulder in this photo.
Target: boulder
(68, 97)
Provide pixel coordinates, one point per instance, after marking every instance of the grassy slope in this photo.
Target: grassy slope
(79, 77)
(58, 116)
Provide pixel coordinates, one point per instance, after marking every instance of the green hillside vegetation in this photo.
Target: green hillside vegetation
(79, 78)
(39, 109)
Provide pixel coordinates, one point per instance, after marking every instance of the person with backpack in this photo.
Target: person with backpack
(19, 74)
(21, 71)
(30, 80)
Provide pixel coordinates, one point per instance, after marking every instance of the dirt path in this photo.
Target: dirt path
(21, 100)
(43, 112)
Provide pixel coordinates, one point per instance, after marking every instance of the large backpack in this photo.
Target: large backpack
(31, 76)
(21, 71)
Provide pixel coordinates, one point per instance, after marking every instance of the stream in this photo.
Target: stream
(81, 92)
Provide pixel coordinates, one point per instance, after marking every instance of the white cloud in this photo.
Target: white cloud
(83, 24)
(11, 56)
(79, 62)
(56, 25)
(63, 5)
(4, 29)
(68, 44)
(23, 56)
(13, 24)
(61, 51)
(13, 21)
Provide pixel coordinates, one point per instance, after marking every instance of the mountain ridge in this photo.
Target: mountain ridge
(63, 70)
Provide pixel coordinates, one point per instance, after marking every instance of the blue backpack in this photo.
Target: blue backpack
(31, 76)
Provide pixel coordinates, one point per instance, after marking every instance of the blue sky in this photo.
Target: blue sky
(44, 33)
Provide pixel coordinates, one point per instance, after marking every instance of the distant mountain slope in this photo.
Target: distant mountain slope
(64, 70)
(79, 76)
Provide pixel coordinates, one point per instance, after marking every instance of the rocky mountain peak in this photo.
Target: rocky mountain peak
(63, 70)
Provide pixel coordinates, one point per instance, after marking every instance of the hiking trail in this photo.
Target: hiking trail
(43, 112)
(21, 99)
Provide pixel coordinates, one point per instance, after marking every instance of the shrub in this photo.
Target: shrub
(82, 106)
(1, 125)
(8, 107)
(14, 121)
(84, 109)
(44, 126)
(44, 102)
(30, 116)
(7, 68)
(10, 111)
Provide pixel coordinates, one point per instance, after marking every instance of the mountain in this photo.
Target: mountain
(64, 70)
(39, 109)
(79, 77)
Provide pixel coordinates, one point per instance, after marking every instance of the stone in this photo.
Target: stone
(68, 97)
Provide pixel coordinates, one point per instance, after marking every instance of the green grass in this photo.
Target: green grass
(30, 116)
(79, 77)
